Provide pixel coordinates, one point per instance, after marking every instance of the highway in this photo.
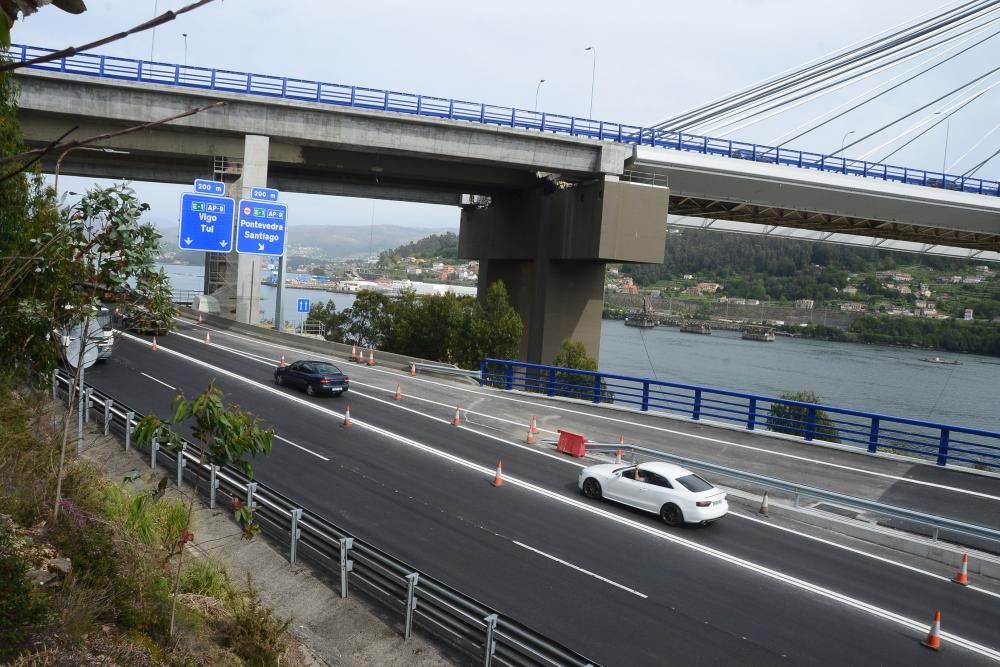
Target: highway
(609, 582)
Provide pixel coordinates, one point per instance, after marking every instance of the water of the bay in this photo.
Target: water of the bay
(874, 378)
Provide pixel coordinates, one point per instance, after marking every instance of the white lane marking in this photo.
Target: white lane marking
(853, 550)
(160, 381)
(571, 462)
(660, 429)
(780, 577)
(319, 456)
(580, 569)
(395, 404)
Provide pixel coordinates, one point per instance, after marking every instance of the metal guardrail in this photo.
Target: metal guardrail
(444, 369)
(201, 78)
(439, 609)
(934, 521)
(944, 443)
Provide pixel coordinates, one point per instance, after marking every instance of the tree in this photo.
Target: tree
(793, 419)
(367, 322)
(231, 437)
(573, 355)
(326, 315)
(495, 330)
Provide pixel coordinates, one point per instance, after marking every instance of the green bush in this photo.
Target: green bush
(206, 576)
(20, 608)
(791, 419)
(254, 631)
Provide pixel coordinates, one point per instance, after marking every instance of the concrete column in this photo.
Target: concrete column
(232, 278)
(549, 246)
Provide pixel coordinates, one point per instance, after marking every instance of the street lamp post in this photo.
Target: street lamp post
(152, 41)
(593, 78)
(537, 88)
(947, 134)
(843, 142)
(185, 36)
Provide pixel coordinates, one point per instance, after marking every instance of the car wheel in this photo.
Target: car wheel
(672, 515)
(310, 390)
(280, 380)
(592, 488)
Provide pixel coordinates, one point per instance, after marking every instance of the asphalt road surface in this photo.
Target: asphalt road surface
(612, 583)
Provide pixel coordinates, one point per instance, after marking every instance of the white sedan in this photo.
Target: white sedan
(678, 495)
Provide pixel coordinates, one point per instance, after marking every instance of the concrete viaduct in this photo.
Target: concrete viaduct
(543, 212)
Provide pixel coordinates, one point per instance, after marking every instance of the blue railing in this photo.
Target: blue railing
(127, 69)
(945, 443)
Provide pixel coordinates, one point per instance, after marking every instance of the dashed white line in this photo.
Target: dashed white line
(913, 625)
(286, 440)
(171, 387)
(580, 569)
(619, 420)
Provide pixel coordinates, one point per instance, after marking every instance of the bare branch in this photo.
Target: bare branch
(55, 146)
(73, 50)
(38, 156)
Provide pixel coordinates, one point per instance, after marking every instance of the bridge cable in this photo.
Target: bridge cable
(839, 53)
(875, 97)
(874, 62)
(945, 22)
(781, 106)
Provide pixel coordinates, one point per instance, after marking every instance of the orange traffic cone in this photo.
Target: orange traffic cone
(347, 416)
(371, 357)
(399, 394)
(354, 352)
(531, 438)
(763, 505)
(282, 364)
(208, 336)
(498, 479)
(933, 640)
(621, 439)
(963, 575)
(199, 318)
(413, 370)
(618, 456)
(457, 421)
(154, 343)
(534, 424)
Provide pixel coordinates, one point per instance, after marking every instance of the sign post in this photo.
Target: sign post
(302, 306)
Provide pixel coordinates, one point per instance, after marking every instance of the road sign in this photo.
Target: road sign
(260, 228)
(302, 306)
(206, 223)
(264, 194)
(206, 187)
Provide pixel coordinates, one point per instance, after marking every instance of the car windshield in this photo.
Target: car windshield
(326, 369)
(694, 484)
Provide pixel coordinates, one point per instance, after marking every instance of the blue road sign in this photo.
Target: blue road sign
(206, 223)
(206, 187)
(303, 306)
(264, 194)
(260, 228)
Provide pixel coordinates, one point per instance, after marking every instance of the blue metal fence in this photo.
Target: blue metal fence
(945, 443)
(127, 69)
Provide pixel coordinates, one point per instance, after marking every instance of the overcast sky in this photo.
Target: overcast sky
(653, 59)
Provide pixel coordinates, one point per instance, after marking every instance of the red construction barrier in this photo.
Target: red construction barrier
(572, 443)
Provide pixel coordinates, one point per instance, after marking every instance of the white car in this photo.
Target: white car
(678, 495)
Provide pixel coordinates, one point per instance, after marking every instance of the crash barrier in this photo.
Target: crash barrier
(943, 443)
(798, 491)
(434, 606)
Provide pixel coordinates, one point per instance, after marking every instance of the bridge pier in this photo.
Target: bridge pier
(550, 245)
(232, 278)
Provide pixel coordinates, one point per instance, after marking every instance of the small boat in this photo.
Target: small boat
(643, 318)
(703, 328)
(939, 360)
(763, 334)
